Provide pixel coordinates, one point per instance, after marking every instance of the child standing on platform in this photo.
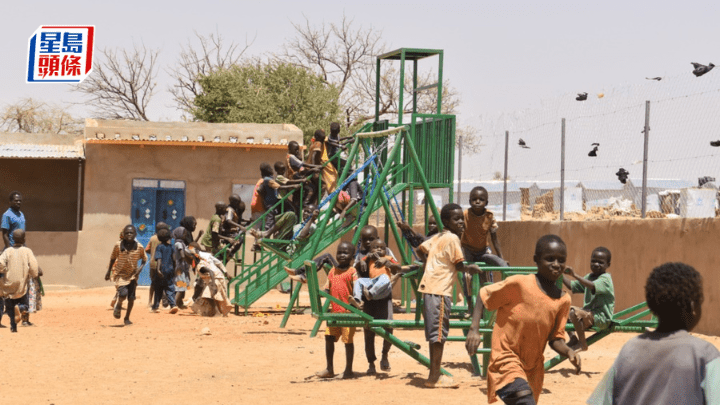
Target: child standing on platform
(531, 311)
(340, 284)
(17, 266)
(443, 258)
(667, 365)
(479, 222)
(599, 301)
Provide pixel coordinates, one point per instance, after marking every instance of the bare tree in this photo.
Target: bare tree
(468, 139)
(345, 57)
(212, 56)
(32, 116)
(122, 85)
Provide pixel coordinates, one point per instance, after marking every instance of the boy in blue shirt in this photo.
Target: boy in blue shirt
(165, 269)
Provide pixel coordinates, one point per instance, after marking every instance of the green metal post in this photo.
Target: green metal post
(288, 311)
(402, 86)
(423, 180)
(377, 90)
(406, 348)
(440, 82)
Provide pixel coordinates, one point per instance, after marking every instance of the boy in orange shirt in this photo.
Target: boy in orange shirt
(531, 312)
(478, 223)
(382, 270)
(443, 259)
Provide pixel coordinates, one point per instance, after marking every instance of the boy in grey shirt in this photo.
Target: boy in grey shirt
(667, 366)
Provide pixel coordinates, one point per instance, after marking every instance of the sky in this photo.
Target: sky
(503, 57)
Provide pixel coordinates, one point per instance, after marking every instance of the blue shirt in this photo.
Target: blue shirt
(164, 252)
(12, 220)
(271, 194)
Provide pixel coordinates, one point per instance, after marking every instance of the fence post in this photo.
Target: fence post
(505, 175)
(562, 172)
(646, 130)
(460, 153)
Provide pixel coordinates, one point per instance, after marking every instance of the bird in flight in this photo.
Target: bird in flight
(622, 175)
(593, 153)
(581, 97)
(522, 144)
(654, 78)
(715, 143)
(701, 69)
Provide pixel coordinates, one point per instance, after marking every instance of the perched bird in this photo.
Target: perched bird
(522, 144)
(581, 97)
(622, 175)
(654, 78)
(593, 153)
(701, 69)
(715, 143)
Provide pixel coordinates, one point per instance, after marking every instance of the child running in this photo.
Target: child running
(668, 365)
(443, 258)
(124, 270)
(153, 243)
(340, 284)
(165, 272)
(599, 300)
(17, 266)
(531, 311)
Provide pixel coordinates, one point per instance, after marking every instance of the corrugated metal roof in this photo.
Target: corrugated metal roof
(36, 151)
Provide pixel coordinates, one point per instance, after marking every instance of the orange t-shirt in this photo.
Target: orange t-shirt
(340, 283)
(378, 271)
(443, 253)
(527, 319)
(477, 228)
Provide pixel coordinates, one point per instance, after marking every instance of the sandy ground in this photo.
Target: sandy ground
(79, 354)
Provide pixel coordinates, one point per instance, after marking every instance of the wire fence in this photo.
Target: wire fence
(602, 173)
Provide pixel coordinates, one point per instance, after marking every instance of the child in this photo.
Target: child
(479, 222)
(599, 301)
(377, 275)
(531, 311)
(165, 271)
(124, 270)
(415, 239)
(210, 296)
(340, 283)
(334, 144)
(150, 249)
(211, 239)
(668, 365)
(182, 265)
(317, 156)
(269, 190)
(367, 235)
(297, 169)
(291, 203)
(443, 257)
(17, 265)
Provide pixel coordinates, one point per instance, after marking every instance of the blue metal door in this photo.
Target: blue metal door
(152, 204)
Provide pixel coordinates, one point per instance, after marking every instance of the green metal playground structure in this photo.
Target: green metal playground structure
(391, 161)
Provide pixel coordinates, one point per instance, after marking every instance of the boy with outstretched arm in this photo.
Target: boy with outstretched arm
(17, 266)
(667, 365)
(531, 312)
(124, 270)
(599, 300)
(340, 284)
(443, 258)
(210, 241)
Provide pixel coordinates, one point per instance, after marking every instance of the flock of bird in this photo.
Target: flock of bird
(699, 70)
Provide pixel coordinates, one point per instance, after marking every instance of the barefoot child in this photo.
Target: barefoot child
(124, 270)
(443, 258)
(531, 311)
(165, 271)
(599, 301)
(17, 266)
(153, 243)
(340, 283)
(668, 365)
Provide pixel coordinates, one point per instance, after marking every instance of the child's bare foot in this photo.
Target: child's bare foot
(300, 279)
(366, 293)
(289, 271)
(127, 322)
(371, 369)
(325, 374)
(354, 302)
(347, 374)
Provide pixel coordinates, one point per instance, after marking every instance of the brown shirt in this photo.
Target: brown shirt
(527, 319)
(17, 264)
(477, 228)
(126, 263)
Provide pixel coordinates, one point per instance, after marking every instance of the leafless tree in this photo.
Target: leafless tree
(345, 57)
(121, 86)
(468, 139)
(32, 116)
(213, 55)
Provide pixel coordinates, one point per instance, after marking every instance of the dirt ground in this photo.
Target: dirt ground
(78, 353)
